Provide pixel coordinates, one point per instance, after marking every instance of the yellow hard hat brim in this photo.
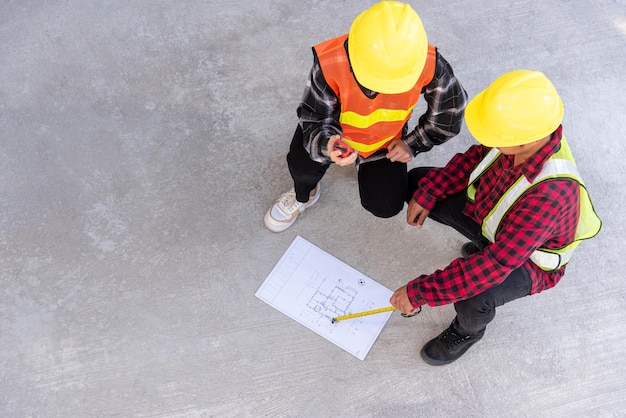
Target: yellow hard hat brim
(385, 85)
(518, 108)
(480, 130)
(477, 127)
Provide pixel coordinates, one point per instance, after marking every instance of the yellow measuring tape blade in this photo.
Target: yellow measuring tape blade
(365, 313)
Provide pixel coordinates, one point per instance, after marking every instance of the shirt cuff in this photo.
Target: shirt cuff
(413, 142)
(425, 200)
(412, 291)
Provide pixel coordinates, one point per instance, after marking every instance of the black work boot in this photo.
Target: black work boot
(447, 346)
(468, 249)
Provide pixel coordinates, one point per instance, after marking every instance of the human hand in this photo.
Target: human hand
(397, 150)
(400, 300)
(335, 154)
(416, 214)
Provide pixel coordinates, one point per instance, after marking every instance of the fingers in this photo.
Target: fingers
(401, 157)
(412, 213)
(419, 218)
(398, 151)
(422, 217)
(395, 299)
(332, 152)
(335, 154)
(416, 214)
(350, 159)
(400, 300)
(411, 217)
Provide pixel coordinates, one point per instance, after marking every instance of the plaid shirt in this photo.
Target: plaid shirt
(546, 216)
(320, 109)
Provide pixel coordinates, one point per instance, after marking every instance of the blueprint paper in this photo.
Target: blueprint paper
(312, 287)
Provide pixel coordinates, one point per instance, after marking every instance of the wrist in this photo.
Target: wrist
(412, 292)
(424, 200)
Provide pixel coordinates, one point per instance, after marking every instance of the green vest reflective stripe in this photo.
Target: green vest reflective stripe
(560, 165)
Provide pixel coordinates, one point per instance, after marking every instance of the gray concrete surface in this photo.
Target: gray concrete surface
(142, 142)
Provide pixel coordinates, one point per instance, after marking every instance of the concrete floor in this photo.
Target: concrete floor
(141, 144)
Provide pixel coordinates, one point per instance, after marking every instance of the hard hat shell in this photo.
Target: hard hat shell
(519, 107)
(388, 46)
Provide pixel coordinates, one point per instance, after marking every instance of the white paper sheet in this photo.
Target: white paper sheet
(312, 287)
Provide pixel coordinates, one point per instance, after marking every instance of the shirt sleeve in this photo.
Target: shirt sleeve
(453, 178)
(534, 220)
(318, 114)
(446, 100)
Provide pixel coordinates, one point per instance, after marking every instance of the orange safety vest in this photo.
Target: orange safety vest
(368, 124)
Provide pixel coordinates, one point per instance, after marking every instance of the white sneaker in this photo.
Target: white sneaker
(286, 209)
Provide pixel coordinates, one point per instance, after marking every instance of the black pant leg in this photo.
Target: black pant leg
(305, 172)
(473, 314)
(450, 210)
(382, 187)
(414, 176)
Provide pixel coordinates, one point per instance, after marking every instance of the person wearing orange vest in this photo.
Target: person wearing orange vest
(359, 97)
(517, 196)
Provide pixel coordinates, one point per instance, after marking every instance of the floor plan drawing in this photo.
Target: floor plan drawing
(329, 303)
(312, 287)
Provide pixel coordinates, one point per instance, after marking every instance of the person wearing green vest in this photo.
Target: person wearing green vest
(517, 196)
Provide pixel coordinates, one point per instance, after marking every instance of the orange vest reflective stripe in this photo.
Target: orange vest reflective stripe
(368, 124)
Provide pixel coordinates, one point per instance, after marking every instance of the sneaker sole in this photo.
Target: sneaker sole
(276, 226)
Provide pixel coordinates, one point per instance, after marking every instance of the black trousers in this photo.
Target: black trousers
(382, 183)
(473, 314)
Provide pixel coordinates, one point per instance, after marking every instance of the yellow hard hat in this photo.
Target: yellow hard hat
(519, 107)
(387, 45)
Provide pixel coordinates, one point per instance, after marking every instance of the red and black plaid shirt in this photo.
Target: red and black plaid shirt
(546, 216)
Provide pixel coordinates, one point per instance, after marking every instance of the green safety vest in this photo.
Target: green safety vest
(560, 165)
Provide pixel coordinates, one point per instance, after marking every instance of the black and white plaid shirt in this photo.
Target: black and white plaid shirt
(320, 108)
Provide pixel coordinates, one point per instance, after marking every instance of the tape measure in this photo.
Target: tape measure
(358, 314)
